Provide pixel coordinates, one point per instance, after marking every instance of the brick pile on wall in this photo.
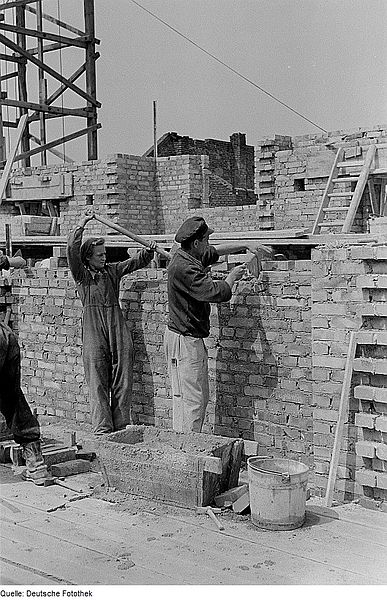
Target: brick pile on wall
(265, 177)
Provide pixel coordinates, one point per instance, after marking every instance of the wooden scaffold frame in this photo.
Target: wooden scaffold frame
(15, 37)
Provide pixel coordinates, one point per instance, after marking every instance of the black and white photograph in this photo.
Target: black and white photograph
(193, 298)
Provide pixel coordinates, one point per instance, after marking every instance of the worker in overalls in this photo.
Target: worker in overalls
(20, 420)
(107, 341)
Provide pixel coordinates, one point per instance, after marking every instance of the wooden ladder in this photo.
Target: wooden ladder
(343, 172)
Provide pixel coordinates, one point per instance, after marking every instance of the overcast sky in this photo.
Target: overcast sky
(327, 59)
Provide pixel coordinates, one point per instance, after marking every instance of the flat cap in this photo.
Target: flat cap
(192, 227)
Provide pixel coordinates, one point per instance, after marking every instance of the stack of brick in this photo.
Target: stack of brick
(371, 378)
(345, 298)
(266, 177)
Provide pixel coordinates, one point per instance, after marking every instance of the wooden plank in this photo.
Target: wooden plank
(11, 157)
(56, 110)
(62, 24)
(46, 35)
(262, 234)
(66, 138)
(344, 399)
(15, 3)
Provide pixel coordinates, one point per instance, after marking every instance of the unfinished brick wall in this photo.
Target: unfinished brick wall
(183, 190)
(292, 174)
(348, 294)
(231, 161)
(277, 353)
(122, 187)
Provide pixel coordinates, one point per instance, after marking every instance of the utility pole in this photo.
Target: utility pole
(155, 130)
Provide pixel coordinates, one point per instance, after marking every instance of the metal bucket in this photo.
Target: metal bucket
(277, 492)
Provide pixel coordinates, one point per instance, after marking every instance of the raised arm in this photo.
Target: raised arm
(235, 247)
(74, 243)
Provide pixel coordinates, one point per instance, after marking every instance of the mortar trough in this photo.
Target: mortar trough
(183, 469)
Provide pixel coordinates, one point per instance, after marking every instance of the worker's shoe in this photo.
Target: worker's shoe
(36, 469)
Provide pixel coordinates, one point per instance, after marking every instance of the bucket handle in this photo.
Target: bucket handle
(284, 476)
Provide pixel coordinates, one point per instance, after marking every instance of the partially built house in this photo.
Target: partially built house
(279, 350)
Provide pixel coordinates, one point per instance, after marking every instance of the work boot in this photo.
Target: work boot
(36, 469)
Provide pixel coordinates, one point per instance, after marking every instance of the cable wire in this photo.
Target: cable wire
(261, 89)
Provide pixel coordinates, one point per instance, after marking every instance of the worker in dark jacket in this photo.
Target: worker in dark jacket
(107, 342)
(191, 289)
(20, 420)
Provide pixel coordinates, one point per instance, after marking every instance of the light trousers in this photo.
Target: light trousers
(187, 361)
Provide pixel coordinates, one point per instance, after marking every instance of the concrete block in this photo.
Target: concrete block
(232, 495)
(381, 481)
(365, 420)
(366, 449)
(366, 477)
(242, 503)
(381, 451)
(52, 457)
(71, 467)
(381, 424)
(250, 448)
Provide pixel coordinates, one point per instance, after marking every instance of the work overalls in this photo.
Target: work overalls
(107, 341)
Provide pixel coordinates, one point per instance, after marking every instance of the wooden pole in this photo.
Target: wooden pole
(11, 156)
(343, 410)
(42, 84)
(91, 82)
(22, 81)
(155, 129)
(132, 236)
(8, 240)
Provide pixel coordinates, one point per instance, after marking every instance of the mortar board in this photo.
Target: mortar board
(194, 227)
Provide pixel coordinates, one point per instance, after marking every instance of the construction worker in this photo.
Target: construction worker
(107, 342)
(22, 423)
(190, 291)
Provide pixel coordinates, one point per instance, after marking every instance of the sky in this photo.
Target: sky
(327, 59)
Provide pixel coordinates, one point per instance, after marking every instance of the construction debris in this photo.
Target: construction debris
(242, 503)
(227, 498)
(208, 510)
(71, 467)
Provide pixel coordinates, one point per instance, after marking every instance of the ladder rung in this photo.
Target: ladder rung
(344, 179)
(331, 223)
(335, 209)
(340, 194)
(351, 165)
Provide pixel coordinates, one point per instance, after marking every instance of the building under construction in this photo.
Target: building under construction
(294, 355)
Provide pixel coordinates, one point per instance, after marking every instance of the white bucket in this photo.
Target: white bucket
(277, 492)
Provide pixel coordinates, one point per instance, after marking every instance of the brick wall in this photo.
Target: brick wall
(259, 368)
(183, 190)
(277, 354)
(291, 174)
(348, 294)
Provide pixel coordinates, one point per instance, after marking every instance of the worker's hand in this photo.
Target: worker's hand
(88, 216)
(235, 274)
(17, 262)
(257, 249)
(152, 246)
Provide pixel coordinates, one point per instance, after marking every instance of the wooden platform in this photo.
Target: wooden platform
(94, 542)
